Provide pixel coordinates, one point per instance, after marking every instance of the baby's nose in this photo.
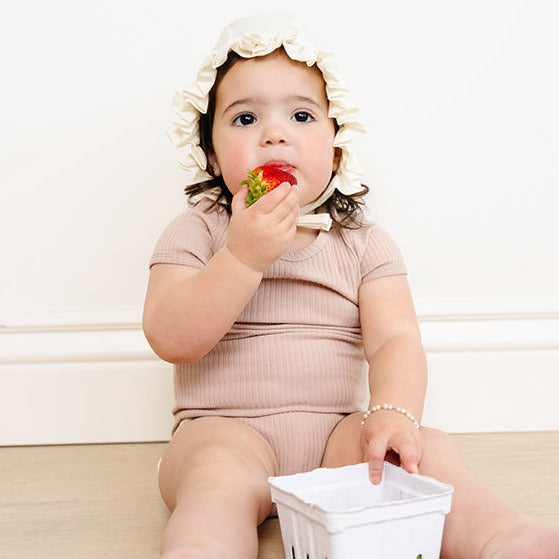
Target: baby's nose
(274, 134)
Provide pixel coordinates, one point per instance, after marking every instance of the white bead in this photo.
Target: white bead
(389, 407)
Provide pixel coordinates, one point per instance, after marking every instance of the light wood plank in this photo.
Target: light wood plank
(524, 467)
(93, 501)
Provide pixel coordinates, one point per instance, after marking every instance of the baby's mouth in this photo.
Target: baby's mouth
(280, 164)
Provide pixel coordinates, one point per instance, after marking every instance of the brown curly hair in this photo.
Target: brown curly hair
(346, 210)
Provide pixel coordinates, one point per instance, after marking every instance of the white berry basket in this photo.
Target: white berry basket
(337, 513)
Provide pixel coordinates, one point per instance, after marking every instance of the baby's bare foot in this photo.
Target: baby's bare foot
(527, 542)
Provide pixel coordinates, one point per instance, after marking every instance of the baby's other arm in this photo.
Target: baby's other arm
(397, 372)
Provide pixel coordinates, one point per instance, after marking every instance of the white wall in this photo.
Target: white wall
(459, 100)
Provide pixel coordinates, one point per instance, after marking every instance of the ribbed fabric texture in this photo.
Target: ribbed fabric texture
(297, 345)
(298, 438)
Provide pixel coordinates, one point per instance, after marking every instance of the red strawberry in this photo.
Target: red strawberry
(263, 179)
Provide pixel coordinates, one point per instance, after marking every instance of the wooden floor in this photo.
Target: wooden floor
(102, 502)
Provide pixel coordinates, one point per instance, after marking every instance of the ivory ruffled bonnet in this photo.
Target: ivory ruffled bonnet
(257, 36)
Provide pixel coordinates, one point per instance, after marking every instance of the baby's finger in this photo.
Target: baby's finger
(409, 457)
(376, 452)
(288, 208)
(270, 201)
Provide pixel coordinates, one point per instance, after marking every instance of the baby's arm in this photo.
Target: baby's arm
(397, 373)
(187, 311)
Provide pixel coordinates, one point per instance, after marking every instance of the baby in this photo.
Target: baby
(289, 320)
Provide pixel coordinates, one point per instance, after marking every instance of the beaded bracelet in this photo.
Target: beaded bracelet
(389, 407)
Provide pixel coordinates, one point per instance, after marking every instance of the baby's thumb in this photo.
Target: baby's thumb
(409, 459)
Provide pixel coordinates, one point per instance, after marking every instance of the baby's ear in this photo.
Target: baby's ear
(337, 157)
(212, 161)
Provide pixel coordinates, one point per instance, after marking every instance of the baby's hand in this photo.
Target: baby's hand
(259, 234)
(387, 435)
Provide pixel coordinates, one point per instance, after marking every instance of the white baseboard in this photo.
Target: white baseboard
(74, 377)
(85, 402)
(82, 383)
(490, 391)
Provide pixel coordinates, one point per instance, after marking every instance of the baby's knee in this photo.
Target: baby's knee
(211, 455)
(440, 451)
(437, 438)
(216, 469)
(220, 451)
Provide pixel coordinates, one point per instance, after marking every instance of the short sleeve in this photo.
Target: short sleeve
(381, 256)
(191, 239)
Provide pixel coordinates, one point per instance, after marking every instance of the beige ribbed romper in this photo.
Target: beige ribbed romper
(292, 365)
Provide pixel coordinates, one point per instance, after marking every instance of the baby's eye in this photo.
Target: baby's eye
(302, 116)
(244, 120)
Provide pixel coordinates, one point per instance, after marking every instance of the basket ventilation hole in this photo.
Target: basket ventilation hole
(293, 554)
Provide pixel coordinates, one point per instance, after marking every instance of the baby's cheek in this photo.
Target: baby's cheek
(235, 168)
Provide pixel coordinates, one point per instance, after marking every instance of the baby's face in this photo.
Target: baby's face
(273, 110)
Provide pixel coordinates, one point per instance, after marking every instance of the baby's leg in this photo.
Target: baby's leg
(213, 477)
(481, 523)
